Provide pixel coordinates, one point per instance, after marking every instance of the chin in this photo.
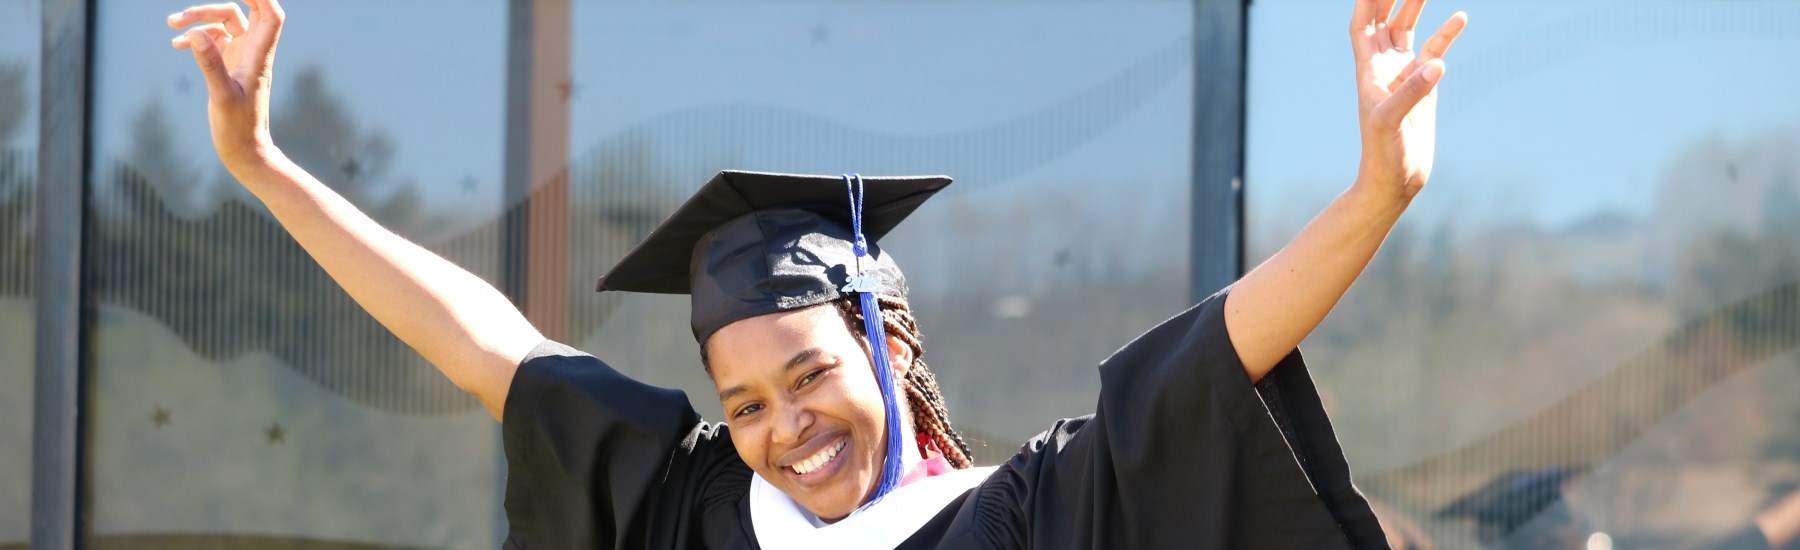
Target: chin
(834, 503)
(837, 487)
(834, 515)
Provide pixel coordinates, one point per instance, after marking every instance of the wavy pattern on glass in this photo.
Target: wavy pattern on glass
(18, 225)
(1529, 463)
(1018, 248)
(233, 282)
(627, 183)
(783, 139)
(1586, 331)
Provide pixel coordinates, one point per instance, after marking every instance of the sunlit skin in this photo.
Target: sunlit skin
(795, 383)
(1274, 306)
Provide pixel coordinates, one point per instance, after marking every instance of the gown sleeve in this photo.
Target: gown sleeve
(1183, 451)
(596, 459)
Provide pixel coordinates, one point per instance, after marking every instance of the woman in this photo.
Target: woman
(1208, 432)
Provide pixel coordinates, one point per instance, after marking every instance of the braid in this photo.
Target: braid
(930, 415)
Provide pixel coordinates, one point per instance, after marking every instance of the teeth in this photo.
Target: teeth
(818, 459)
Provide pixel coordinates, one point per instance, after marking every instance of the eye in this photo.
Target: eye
(810, 377)
(748, 409)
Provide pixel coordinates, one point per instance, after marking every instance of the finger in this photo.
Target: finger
(266, 10)
(1394, 109)
(256, 10)
(1363, 15)
(1366, 30)
(1400, 29)
(1383, 9)
(1439, 43)
(267, 17)
(229, 14)
(1368, 14)
(213, 30)
(211, 62)
(1406, 74)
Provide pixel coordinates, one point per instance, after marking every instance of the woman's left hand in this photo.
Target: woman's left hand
(1396, 88)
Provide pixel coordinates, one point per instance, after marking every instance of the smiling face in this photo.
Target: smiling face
(799, 392)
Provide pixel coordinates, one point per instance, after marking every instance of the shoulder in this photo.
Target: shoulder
(998, 512)
(555, 379)
(594, 455)
(1057, 437)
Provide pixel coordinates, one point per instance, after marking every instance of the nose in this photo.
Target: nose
(790, 423)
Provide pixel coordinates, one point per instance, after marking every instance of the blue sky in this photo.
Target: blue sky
(1551, 112)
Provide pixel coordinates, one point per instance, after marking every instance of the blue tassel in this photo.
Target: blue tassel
(872, 326)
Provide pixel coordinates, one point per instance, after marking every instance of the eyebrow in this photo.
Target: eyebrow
(799, 359)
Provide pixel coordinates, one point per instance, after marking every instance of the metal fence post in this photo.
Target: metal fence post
(62, 184)
(1217, 255)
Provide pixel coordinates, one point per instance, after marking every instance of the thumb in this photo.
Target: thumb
(1393, 110)
(211, 62)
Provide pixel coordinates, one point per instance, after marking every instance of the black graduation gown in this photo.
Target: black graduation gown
(1181, 452)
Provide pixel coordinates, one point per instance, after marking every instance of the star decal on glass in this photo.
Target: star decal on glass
(275, 433)
(351, 169)
(160, 417)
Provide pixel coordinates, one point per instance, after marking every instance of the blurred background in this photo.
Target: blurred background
(1584, 334)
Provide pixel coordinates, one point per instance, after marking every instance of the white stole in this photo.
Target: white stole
(780, 523)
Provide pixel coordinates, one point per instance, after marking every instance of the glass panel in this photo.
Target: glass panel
(21, 29)
(1055, 117)
(239, 397)
(1585, 330)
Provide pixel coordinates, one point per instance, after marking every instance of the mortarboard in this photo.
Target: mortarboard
(1510, 501)
(753, 243)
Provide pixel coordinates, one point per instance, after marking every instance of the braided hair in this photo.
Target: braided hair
(930, 416)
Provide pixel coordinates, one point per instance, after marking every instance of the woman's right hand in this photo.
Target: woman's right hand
(236, 56)
(455, 319)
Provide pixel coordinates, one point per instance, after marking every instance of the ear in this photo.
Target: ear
(900, 356)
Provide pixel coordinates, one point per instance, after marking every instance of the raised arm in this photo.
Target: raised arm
(456, 320)
(1277, 304)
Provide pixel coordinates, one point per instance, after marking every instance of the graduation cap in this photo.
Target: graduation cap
(751, 243)
(754, 243)
(1511, 500)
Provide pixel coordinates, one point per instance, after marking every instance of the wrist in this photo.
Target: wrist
(1380, 195)
(253, 160)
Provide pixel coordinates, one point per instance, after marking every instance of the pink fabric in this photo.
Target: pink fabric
(927, 468)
